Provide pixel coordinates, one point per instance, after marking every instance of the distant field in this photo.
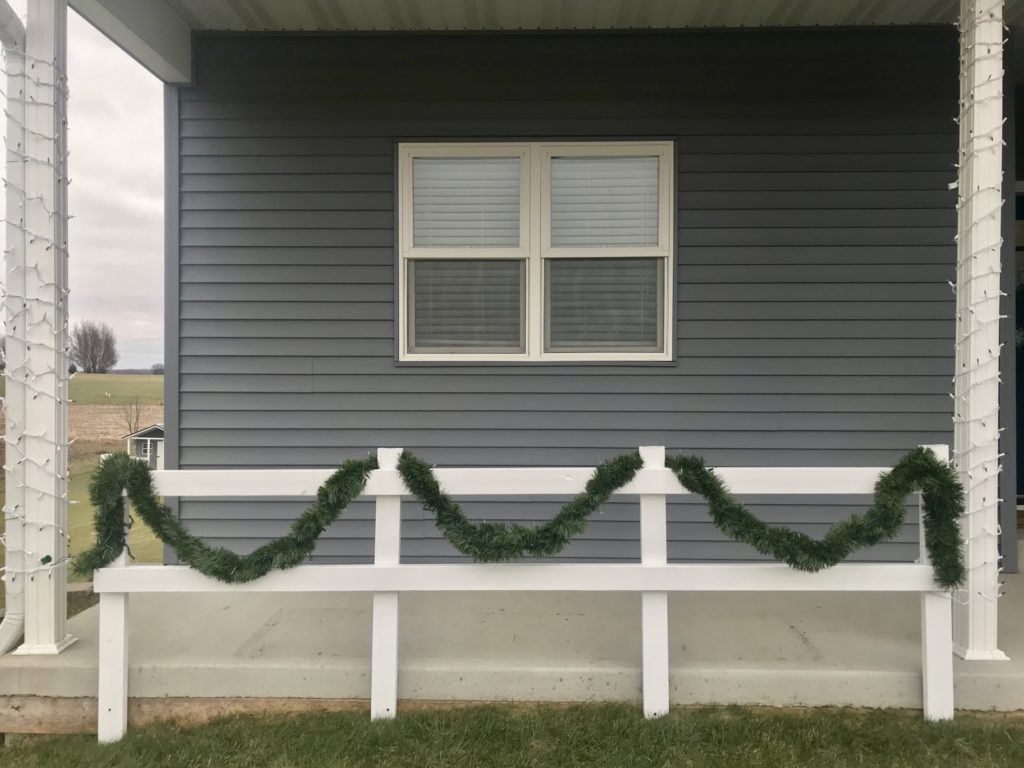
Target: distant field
(113, 388)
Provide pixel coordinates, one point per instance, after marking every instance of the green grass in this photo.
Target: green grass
(596, 736)
(112, 388)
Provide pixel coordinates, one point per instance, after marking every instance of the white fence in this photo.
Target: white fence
(653, 577)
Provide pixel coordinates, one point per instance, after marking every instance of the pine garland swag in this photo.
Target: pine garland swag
(941, 492)
(120, 471)
(499, 542)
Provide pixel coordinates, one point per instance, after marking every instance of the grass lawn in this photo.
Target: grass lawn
(112, 388)
(596, 736)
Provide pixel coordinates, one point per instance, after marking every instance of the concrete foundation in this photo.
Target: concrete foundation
(199, 652)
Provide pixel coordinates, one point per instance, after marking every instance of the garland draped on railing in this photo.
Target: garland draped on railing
(120, 472)
(919, 470)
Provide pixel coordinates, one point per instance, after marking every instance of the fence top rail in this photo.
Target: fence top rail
(531, 577)
(514, 481)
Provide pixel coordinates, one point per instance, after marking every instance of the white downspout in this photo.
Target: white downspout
(12, 35)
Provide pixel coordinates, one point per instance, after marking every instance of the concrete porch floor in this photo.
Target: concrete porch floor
(771, 649)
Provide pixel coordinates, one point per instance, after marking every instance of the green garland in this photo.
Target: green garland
(941, 492)
(498, 542)
(120, 471)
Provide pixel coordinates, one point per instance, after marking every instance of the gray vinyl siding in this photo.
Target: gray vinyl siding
(172, 289)
(815, 241)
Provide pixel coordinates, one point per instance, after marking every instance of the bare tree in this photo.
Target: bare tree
(131, 413)
(157, 369)
(93, 347)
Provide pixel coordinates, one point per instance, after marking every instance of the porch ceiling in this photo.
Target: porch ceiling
(414, 15)
(158, 32)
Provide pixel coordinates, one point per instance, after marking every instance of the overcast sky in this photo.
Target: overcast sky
(115, 136)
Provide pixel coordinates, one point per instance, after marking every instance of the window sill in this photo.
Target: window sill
(490, 361)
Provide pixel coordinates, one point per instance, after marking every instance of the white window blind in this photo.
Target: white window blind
(604, 202)
(464, 202)
(466, 305)
(607, 304)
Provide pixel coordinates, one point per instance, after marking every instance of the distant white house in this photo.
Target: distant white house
(147, 443)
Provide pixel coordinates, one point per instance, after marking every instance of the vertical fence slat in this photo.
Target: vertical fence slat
(937, 655)
(654, 610)
(936, 631)
(112, 695)
(386, 551)
(112, 665)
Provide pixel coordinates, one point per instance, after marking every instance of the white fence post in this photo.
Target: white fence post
(937, 655)
(654, 551)
(112, 667)
(386, 551)
(936, 630)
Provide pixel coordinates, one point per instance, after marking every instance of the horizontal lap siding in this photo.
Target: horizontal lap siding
(815, 241)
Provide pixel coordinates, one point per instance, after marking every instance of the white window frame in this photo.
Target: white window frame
(535, 241)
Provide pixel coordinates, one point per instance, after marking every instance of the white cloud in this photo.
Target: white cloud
(115, 118)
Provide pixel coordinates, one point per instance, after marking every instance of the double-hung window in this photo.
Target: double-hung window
(536, 251)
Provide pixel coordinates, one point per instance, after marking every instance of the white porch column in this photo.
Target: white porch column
(13, 627)
(976, 382)
(44, 436)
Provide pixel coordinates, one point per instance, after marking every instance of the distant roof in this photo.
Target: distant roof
(154, 430)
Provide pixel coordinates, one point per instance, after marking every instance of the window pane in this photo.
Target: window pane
(604, 202)
(462, 202)
(464, 305)
(605, 305)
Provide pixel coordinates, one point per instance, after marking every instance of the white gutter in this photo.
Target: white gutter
(12, 35)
